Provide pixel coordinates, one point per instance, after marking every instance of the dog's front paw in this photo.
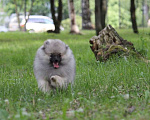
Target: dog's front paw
(53, 79)
(57, 81)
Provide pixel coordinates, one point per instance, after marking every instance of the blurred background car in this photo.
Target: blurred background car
(3, 29)
(148, 23)
(13, 24)
(35, 23)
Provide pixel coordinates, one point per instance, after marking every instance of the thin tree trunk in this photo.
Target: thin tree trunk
(98, 12)
(26, 19)
(57, 20)
(60, 7)
(104, 11)
(143, 13)
(86, 15)
(16, 9)
(133, 17)
(25, 3)
(146, 11)
(119, 5)
(74, 27)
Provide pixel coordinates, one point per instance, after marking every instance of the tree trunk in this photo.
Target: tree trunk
(25, 4)
(133, 17)
(104, 11)
(26, 19)
(57, 20)
(143, 13)
(86, 15)
(146, 11)
(98, 25)
(17, 13)
(119, 5)
(74, 27)
(100, 14)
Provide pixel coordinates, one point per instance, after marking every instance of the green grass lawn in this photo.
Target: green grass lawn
(115, 90)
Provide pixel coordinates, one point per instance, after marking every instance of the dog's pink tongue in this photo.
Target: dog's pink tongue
(56, 65)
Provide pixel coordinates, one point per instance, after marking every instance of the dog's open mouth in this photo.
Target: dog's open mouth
(56, 65)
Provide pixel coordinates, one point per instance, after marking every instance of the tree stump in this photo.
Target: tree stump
(108, 43)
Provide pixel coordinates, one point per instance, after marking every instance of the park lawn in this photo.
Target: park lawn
(117, 89)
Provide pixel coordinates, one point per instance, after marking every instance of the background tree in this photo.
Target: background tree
(145, 12)
(119, 14)
(74, 27)
(16, 6)
(86, 15)
(104, 11)
(146, 6)
(17, 14)
(100, 14)
(98, 25)
(133, 17)
(56, 19)
(25, 11)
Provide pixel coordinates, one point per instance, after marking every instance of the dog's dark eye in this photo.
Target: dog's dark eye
(59, 54)
(51, 55)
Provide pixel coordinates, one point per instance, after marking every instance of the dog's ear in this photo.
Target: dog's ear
(47, 42)
(67, 47)
(65, 50)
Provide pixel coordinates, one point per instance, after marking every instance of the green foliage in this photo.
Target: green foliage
(65, 9)
(41, 7)
(101, 91)
(113, 13)
(10, 9)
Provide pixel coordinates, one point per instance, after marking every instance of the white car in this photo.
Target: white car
(13, 24)
(36, 23)
(148, 23)
(3, 29)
